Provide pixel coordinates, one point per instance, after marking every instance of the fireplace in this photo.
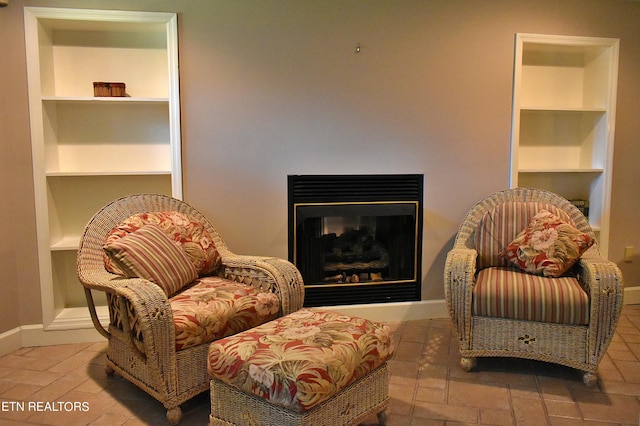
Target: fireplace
(356, 239)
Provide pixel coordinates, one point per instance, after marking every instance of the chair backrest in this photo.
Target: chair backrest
(90, 260)
(494, 222)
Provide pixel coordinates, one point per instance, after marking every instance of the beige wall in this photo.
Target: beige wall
(274, 87)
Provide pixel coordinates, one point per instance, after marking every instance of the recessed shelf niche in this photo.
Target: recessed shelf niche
(563, 120)
(87, 150)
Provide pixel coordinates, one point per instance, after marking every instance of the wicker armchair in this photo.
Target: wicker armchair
(141, 333)
(486, 231)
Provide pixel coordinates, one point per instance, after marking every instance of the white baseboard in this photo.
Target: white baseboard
(632, 296)
(82, 332)
(10, 341)
(396, 312)
(35, 335)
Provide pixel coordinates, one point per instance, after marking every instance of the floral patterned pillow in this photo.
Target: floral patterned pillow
(188, 233)
(547, 246)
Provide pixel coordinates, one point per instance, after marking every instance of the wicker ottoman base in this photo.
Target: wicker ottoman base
(367, 396)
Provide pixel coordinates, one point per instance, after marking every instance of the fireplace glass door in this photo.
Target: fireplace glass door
(367, 243)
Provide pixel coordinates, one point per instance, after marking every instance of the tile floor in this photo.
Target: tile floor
(427, 386)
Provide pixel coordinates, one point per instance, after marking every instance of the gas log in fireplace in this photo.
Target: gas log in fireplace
(356, 239)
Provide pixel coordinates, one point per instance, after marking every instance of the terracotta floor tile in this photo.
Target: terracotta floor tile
(57, 352)
(409, 369)
(621, 388)
(497, 417)
(610, 375)
(471, 394)
(563, 409)
(529, 411)
(5, 386)
(12, 412)
(29, 363)
(413, 334)
(408, 351)
(401, 393)
(94, 385)
(417, 421)
(630, 370)
(56, 389)
(401, 407)
(20, 391)
(438, 371)
(529, 390)
(447, 412)
(76, 364)
(110, 419)
(433, 382)
(4, 371)
(431, 394)
(427, 386)
(30, 377)
(634, 347)
(608, 407)
(554, 389)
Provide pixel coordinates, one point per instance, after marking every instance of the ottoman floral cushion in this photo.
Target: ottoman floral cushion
(302, 359)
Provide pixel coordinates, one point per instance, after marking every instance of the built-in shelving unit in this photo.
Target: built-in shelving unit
(88, 151)
(564, 97)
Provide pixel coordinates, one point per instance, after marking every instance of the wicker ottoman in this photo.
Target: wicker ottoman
(311, 367)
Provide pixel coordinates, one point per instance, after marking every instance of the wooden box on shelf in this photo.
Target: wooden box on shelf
(104, 89)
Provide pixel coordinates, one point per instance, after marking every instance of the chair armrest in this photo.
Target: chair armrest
(145, 320)
(603, 281)
(270, 274)
(459, 279)
(99, 279)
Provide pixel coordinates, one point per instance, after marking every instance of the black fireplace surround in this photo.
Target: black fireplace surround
(356, 239)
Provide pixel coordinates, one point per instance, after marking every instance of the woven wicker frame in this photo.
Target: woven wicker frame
(580, 347)
(367, 396)
(141, 333)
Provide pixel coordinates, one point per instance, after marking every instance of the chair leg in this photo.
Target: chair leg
(382, 417)
(467, 363)
(174, 415)
(109, 371)
(589, 378)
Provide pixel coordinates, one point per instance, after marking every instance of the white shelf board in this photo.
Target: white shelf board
(102, 99)
(556, 108)
(66, 243)
(561, 171)
(108, 173)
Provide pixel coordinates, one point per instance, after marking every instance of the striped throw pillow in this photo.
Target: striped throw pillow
(150, 254)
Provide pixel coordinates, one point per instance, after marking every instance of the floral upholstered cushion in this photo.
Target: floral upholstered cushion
(188, 233)
(302, 359)
(148, 253)
(506, 292)
(216, 307)
(547, 246)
